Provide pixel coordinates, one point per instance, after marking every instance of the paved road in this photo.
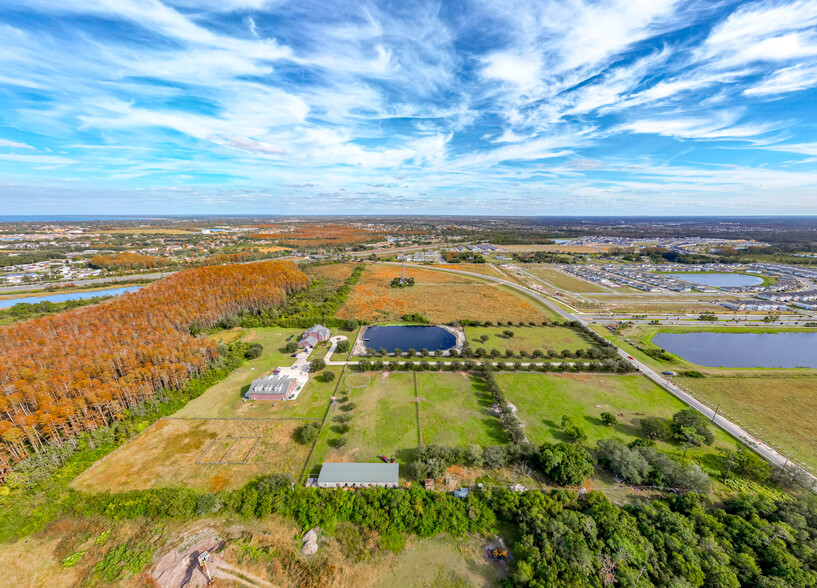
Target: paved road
(733, 429)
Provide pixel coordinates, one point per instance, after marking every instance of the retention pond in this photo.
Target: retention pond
(69, 296)
(766, 350)
(409, 337)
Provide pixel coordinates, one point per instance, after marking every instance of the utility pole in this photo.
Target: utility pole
(714, 416)
(403, 271)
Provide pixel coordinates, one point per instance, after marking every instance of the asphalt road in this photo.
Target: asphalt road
(730, 427)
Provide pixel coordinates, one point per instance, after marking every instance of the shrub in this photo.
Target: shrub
(291, 347)
(317, 365)
(254, 351)
(608, 418)
(343, 347)
(655, 428)
(327, 376)
(308, 433)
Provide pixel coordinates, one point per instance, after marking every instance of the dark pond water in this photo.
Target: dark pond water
(409, 337)
(718, 280)
(70, 296)
(782, 350)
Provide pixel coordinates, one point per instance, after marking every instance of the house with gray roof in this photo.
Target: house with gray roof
(314, 335)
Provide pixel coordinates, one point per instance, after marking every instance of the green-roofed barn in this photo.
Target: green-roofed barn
(359, 475)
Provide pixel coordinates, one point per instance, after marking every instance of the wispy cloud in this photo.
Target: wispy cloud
(464, 106)
(14, 144)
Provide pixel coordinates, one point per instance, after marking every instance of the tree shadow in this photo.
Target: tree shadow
(404, 456)
(495, 429)
(594, 421)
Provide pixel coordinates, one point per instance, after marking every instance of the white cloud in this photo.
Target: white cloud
(763, 31)
(719, 125)
(247, 144)
(14, 144)
(784, 80)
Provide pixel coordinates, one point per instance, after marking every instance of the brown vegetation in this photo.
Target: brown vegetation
(439, 296)
(77, 370)
(315, 235)
(128, 260)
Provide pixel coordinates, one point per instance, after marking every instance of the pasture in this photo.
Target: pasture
(542, 400)
(203, 454)
(455, 410)
(384, 421)
(780, 410)
(526, 338)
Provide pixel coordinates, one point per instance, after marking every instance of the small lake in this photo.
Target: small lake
(409, 337)
(768, 350)
(70, 296)
(718, 280)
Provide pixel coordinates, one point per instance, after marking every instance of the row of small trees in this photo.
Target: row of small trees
(609, 366)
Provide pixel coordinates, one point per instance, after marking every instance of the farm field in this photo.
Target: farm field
(542, 400)
(565, 281)
(780, 410)
(333, 273)
(454, 410)
(384, 421)
(450, 298)
(166, 455)
(526, 338)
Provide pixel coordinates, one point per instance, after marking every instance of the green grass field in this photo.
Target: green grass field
(542, 400)
(384, 422)
(527, 339)
(454, 411)
(780, 410)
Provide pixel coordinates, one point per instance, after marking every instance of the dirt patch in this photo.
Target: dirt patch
(179, 566)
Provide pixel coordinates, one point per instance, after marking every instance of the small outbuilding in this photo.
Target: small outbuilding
(359, 475)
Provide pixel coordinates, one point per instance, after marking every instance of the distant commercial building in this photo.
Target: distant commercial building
(806, 305)
(359, 475)
(273, 388)
(314, 335)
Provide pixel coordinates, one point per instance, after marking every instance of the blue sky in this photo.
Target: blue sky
(460, 107)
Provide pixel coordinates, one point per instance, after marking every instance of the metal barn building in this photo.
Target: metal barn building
(359, 475)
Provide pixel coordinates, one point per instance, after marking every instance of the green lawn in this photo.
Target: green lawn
(542, 400)
(384, 422)
(226, 399)
(527, 338)
(454, 410)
